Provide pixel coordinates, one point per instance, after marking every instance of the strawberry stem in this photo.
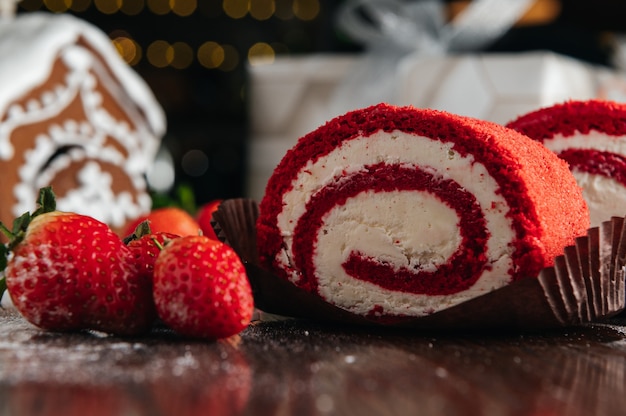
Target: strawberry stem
(158, 244)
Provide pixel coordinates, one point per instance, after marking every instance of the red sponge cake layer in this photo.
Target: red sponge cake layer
(398, 211)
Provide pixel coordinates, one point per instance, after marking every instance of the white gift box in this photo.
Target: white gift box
(294, 95)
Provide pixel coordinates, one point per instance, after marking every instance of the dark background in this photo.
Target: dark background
(206, 108)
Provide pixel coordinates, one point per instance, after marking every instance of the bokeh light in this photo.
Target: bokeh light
(195, 162)
(182, 55)
(231, 58)
(108, 6)
(261, 52)
(128, 49)
(58, 6)
(132, 7)
(159, 7)
(184, 7)
(211, 55)
(159, 53)
(236, 9)
(262, 9)
(306, 9)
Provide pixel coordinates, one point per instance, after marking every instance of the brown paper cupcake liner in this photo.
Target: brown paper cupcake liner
(585, 284)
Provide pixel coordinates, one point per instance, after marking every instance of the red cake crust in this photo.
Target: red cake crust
(573, 116)
(546, 206)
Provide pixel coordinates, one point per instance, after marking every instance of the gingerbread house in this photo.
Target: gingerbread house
(75, 116)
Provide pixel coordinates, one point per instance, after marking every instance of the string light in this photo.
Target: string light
(261, 52)
(128, 49)
(306, 9)
(184, 7)
(132, 7)
(181, 55)
(210, 55)
(231, 58)
(160, 7)
(159, 53)
(108, 6)
(58, 6)
(236, 9)
(262, 9)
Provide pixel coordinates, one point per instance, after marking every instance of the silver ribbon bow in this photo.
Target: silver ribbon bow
(393, 29)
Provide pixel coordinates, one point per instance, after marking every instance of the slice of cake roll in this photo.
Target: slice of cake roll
(397, 211)
(591, 137)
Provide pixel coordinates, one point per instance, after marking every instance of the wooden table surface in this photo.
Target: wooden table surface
(304, 368)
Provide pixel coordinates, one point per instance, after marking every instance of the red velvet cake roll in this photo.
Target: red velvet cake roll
(396, 211)
(591, 137)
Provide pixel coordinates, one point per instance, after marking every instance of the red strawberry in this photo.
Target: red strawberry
(68, 271)
(146, 248)
(201, 288)
(205, 215)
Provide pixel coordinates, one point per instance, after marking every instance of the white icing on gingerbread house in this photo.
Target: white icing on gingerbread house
(75, 116)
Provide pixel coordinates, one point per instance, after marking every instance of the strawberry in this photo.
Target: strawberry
(68, 272)
(145, 247)
(205, 215)
(201, 288)
(168, 219)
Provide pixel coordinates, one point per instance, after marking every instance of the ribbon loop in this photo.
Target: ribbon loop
(391, 30)
(421, 25)
(393, 23)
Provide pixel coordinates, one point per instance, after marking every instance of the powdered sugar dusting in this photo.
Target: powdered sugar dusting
(31, 355)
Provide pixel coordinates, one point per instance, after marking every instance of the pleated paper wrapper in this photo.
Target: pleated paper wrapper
(585, 284)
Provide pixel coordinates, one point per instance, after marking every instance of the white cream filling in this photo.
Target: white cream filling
(593, 140)
(403, 227)
(605, 196)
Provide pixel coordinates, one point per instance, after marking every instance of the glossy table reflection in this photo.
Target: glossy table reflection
(304, 368)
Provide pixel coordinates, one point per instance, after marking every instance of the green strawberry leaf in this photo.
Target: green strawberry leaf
(46, 201)
(142, 229)
(4, 254)
(20, 224)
